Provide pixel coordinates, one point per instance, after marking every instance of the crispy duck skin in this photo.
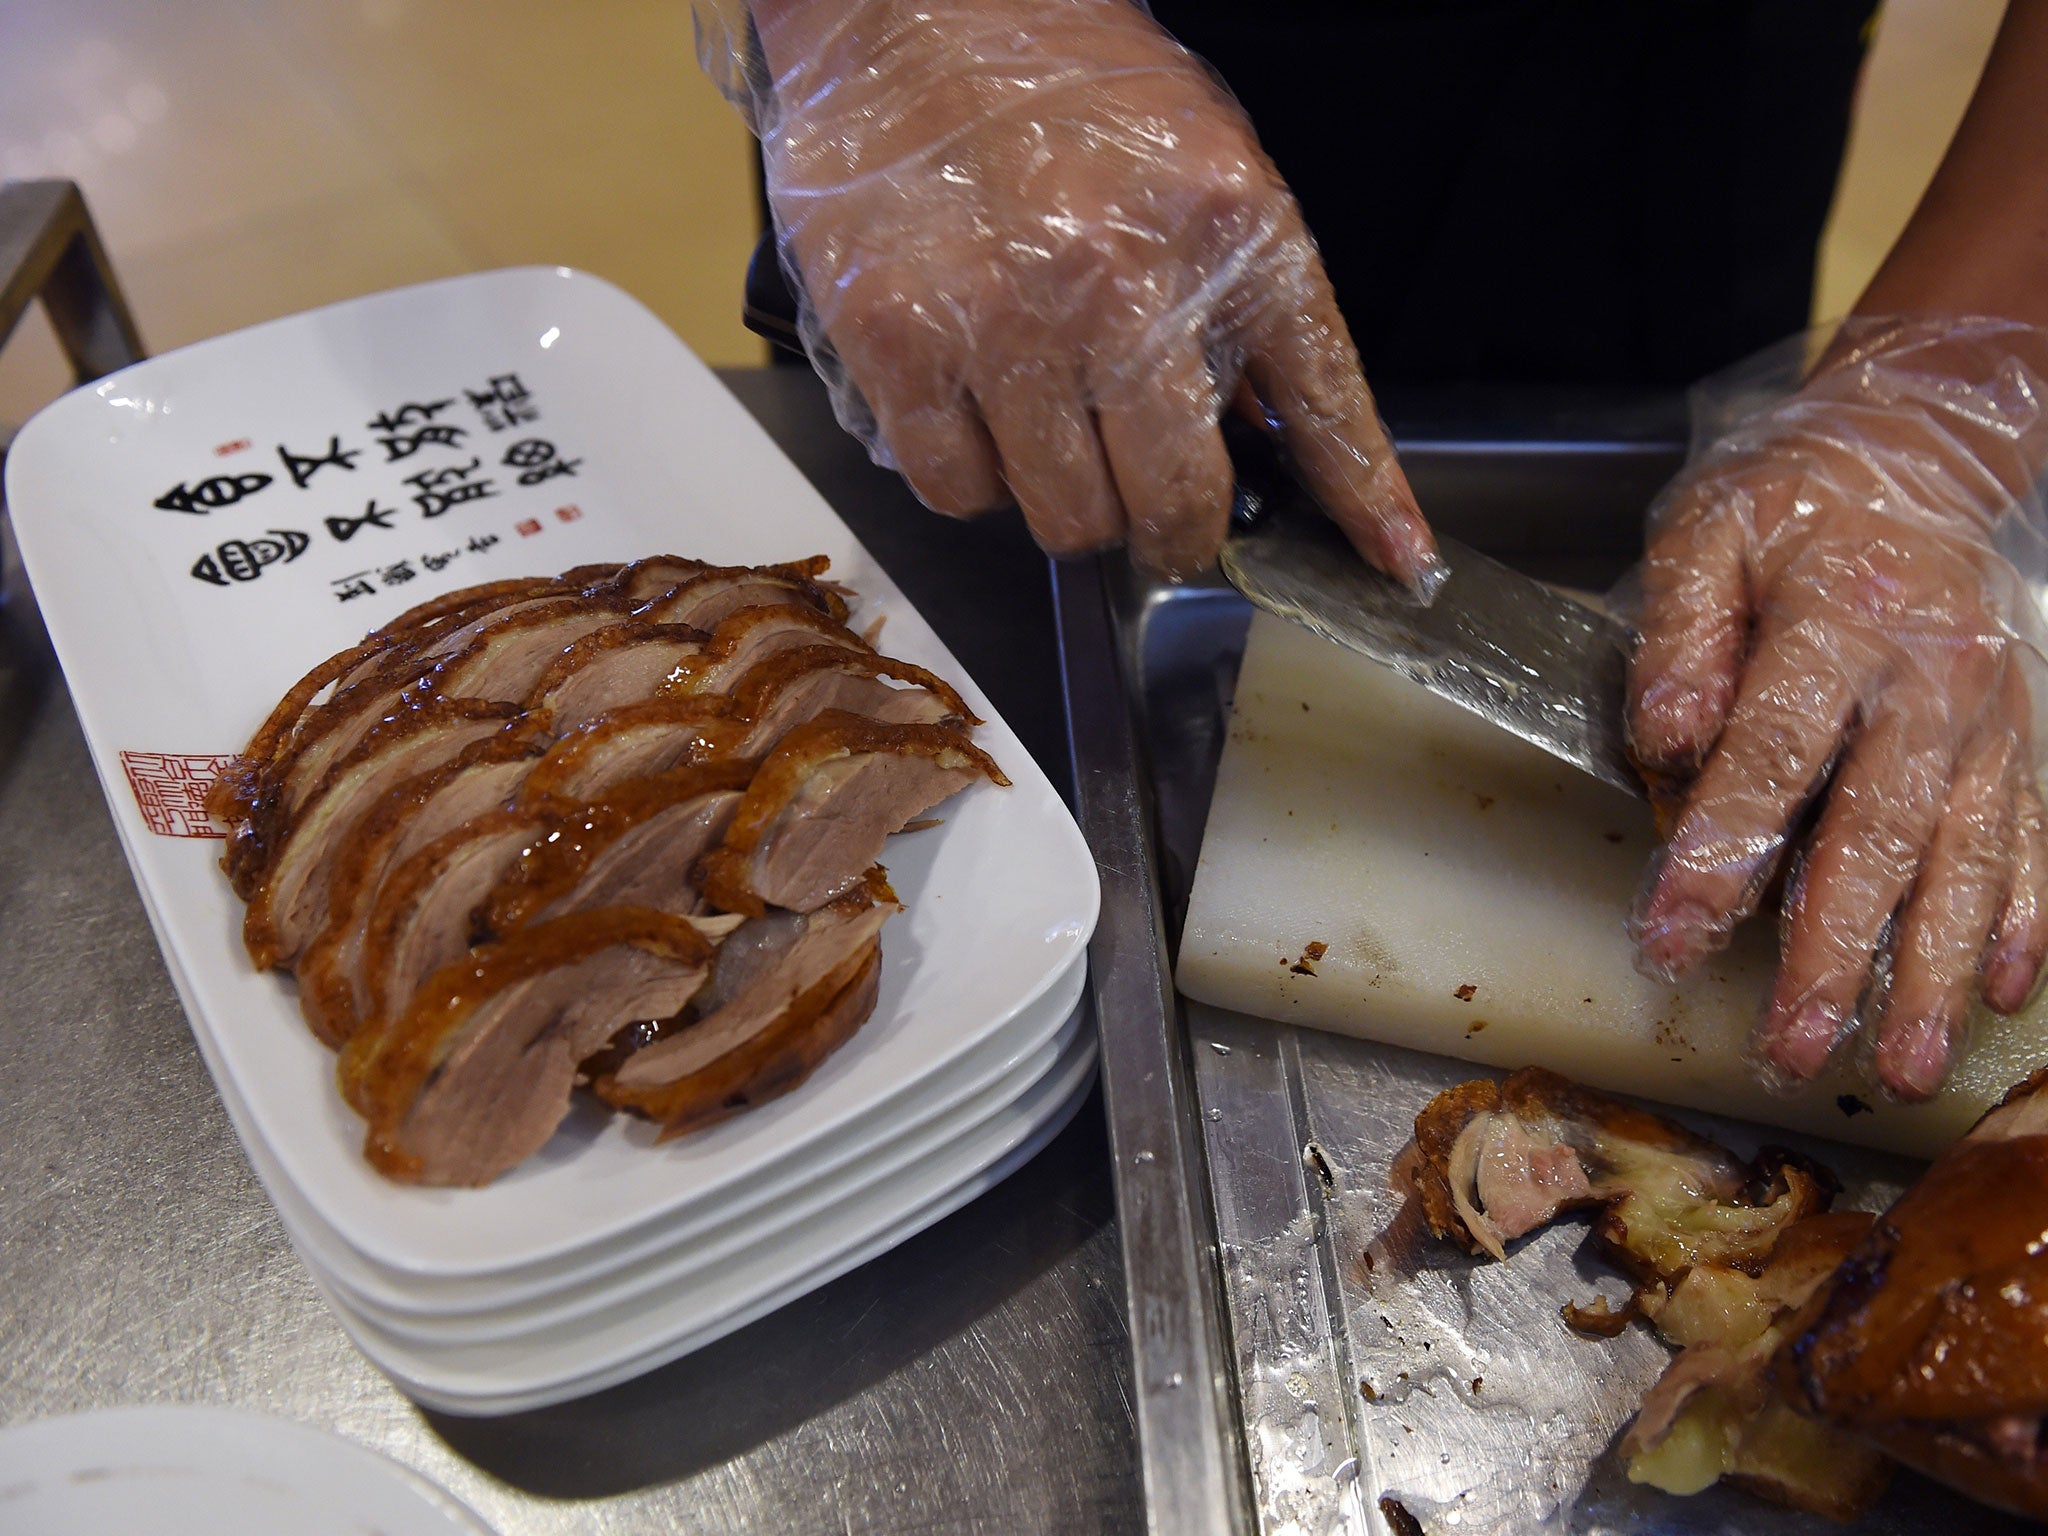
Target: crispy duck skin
(814, 985)
(471, 661)
(637, 845)
(477, 1073)
(290, 904)
(748, 636)
(617, 664)
(1934, 1339)
(825, 801)
(717, 591)
(632, 741)
(237, 796)
(498, 655)
(790, 687)
(423, 916)
(657, 575)
(782, 691)
(486, 776)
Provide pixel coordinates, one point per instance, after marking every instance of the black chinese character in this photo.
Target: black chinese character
(392, 575)
(358, 585)
(440, 561)
(534, 458)
(244, 559)
(405, 431)
(442, 489)
(302, 467)
(505, 404)
(481, 542)
(409, 414)
(208, 495)
(374, 516)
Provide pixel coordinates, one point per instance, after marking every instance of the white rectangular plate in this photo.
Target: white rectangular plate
(762, 1201)
(188, 578)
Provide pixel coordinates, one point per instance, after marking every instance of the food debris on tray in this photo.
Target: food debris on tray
(1815, 1347)
(616, 829)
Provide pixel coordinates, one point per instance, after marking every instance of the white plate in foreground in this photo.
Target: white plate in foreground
(202, 528)
(188, 1471)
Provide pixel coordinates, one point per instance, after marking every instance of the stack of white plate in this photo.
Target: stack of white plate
(606, 1254)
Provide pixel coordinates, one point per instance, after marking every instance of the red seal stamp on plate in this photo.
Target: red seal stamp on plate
(170, 788)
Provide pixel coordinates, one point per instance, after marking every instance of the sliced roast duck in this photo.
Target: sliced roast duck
(617, 829)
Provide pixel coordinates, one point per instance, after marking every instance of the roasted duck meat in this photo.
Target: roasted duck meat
(1494, 1161)
(825, 801)
(476, 1074)
(484, 841)
(785, 991)
(1933, 1339)
(1726, 1257)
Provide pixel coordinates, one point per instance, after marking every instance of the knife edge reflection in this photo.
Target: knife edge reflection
(1508, 648)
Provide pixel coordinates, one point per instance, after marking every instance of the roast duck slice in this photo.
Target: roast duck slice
(785, 991)
(1814, 1345)
(824, 802)
(476, 1074)
(485, 841)
(291, 903)
(483, 778)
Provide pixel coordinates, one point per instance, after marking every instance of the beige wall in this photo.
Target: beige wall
(249, 158)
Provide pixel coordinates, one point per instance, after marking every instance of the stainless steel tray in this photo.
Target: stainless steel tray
(1306, 1356)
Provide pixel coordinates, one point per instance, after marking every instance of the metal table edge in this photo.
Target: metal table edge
(1191, 1448)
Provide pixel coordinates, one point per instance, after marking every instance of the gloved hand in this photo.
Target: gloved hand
(1835, 607)
(1038, 247)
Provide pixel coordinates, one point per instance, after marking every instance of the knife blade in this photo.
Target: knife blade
(1500, 644)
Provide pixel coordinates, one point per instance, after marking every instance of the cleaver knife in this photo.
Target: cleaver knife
(1500, 644)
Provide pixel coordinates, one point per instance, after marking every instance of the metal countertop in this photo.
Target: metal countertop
(975, 1379)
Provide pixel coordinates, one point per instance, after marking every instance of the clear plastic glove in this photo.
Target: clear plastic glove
(1037, 248)
(1837, 613)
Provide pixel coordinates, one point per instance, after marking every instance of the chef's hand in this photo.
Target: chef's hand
(1044, 246)
(1826, 615)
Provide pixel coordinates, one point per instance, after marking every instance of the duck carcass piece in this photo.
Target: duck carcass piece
(637, 846)
(1721, 1412)
(477, 1073)
(1933, 1343)
(825, 801)
(239, 797)
(1493, 1161)
(636, 741)
(786, 991)
(1726, 1257)
(290, 904)
(484, 778)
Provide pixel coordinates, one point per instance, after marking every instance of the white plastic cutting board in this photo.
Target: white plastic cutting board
(1432, 853)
